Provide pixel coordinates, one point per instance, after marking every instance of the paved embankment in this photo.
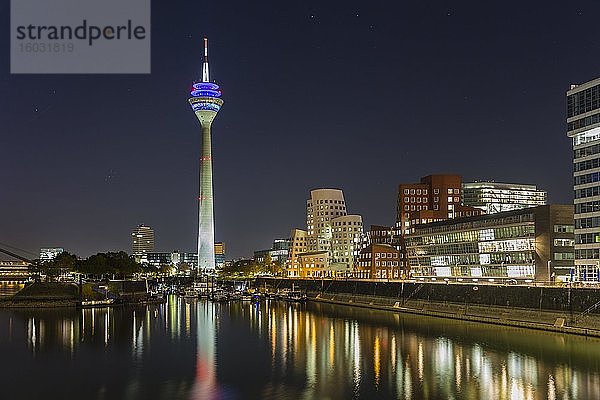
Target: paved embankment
(564, 310)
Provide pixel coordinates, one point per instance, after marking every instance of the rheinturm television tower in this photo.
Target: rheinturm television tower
(206, 103)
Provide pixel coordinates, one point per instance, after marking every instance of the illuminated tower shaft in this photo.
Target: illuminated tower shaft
(206, 104)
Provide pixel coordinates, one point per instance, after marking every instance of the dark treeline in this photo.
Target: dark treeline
(118, 264)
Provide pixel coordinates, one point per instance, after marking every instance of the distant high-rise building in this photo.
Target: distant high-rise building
(50, 253)
(219, 254)
(142, 240)
(495, 197)
(206, 102)
(583, 126)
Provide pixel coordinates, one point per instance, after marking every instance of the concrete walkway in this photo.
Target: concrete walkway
(588, 325)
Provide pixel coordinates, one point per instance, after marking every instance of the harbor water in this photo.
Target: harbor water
(197, 349)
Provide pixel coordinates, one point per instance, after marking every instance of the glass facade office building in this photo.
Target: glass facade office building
(583, 126)
(529, 244)
(495, 197)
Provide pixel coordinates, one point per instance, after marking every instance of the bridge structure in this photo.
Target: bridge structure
(14, 271)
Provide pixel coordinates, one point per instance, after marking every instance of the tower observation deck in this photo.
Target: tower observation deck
(205, 99)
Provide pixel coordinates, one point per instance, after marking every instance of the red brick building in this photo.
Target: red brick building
(434, 198)
(379, 261)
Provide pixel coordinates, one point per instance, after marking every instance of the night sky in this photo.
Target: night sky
(354, 95)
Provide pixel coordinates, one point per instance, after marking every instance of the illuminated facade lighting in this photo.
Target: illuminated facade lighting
(142, 240)
(328, 245)
(583, 127)
(533, 243)
(495, 197)
(50, 253)
(205, 100)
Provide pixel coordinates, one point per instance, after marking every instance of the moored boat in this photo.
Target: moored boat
(296, 296)
(96, 303)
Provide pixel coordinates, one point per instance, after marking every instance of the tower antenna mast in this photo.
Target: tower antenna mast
(205, 75)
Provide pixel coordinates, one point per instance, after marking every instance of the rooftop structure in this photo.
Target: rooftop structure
(495, 197)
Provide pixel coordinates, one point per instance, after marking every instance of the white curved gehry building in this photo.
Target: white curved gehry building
(327, 246)
(323, 206)
(347, 232)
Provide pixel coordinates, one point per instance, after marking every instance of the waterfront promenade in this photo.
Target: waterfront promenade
(550, 308)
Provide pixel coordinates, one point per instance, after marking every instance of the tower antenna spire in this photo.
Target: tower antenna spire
(205, 75)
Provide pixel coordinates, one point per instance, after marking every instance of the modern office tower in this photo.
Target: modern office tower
(219, 254)
(206, 103)
(494, 197)
(323, 206)
(530, 244)
(142, 240)
(298, 245)
(50, 253)
(583, 126)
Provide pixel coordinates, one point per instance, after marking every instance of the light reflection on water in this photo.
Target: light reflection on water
(201, 350)
(10, 288)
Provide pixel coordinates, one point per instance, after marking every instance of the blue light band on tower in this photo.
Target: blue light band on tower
(205, 89)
